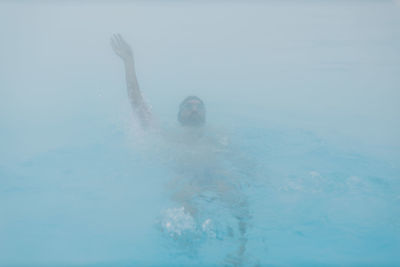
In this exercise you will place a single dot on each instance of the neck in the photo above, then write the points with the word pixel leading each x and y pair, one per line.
pixel 194 132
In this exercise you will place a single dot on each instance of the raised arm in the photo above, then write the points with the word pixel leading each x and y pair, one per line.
pixel 140 108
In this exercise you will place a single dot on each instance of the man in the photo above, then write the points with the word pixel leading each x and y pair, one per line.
pixel 191 110
pixel 198 171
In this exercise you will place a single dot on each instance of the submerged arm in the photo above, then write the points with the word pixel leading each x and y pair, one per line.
pixel 139 106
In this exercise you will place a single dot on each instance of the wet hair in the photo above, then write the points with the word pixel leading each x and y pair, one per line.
pixel 182 105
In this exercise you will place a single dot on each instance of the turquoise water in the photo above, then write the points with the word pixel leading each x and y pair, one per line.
pixel 304 96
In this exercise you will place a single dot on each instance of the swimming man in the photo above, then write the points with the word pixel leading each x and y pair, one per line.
pixel 197 171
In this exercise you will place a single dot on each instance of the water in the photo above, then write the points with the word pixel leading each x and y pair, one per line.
pixel 304 93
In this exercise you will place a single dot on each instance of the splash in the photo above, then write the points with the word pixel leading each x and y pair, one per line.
pixel 176 222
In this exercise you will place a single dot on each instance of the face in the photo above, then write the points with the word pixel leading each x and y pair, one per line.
pixel 192 113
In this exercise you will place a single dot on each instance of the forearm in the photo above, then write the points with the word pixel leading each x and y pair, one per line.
pixel 138 104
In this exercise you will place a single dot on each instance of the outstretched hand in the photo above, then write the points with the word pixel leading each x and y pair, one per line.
pixel 120 47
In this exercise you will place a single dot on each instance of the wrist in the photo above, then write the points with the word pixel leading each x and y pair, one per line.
pixel 129 64
pixel 128 60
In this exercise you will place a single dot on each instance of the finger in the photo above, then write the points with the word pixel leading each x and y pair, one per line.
pixel 117 43
pixel 117 40
pixel 122 41
pixel 120 38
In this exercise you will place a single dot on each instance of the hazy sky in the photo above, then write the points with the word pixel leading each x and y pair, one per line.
pixel 327 66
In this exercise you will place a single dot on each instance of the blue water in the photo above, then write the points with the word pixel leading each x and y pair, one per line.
pixel 305 95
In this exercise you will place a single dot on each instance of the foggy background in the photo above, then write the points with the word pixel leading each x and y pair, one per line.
pixel 327 66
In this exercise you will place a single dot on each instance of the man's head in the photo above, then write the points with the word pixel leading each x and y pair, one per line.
pixel 192 112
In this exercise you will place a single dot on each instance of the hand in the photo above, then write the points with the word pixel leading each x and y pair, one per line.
pixel 121 48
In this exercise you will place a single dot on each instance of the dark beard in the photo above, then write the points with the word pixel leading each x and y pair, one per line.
pixel 194 120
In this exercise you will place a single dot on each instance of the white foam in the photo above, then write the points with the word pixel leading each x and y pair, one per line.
pixel 176 221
